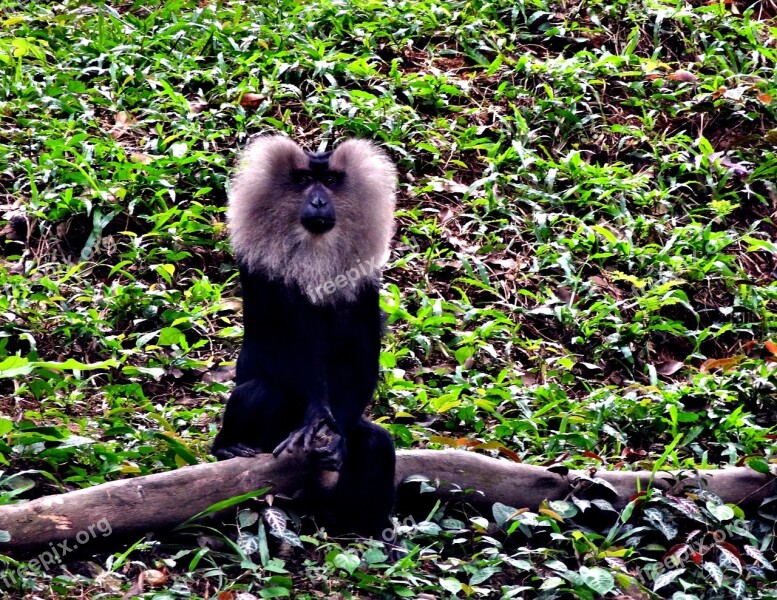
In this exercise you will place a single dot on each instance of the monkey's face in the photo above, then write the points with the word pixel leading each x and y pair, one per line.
pixel 318 186
pixel 310 218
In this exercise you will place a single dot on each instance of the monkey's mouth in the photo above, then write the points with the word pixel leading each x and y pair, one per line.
pixel 317 225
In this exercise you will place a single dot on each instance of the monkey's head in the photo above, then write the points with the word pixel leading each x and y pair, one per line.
pixel 319 221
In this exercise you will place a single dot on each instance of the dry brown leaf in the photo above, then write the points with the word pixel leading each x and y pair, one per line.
pixel 719 92
pixel 724 364
pixel 669 367
pixel 505 263
pixel 445 215
pixel 683 75
pixel 122 125
pixel 251 100
pixel 737 93
pixel 197 106
pixel 736 168
pixel 155 578
pixel 551 513
pixel 143 159
pixel 447 186
pixel 220 374
pixel 136 589
pixel 566 294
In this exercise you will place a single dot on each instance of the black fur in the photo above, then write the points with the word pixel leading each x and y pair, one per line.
pixel 309 365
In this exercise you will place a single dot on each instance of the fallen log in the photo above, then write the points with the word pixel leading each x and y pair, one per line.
pixel 162 501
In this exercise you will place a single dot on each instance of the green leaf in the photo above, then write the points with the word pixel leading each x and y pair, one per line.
pixel 494 66
pixel 15 366
pixel 720 511
pixel 464 353
pixel 450 584
pixel 666 578
pixel 758 464
pixel 347 561
pixel 170 336
pixel 598 579
pixel 74 365
pixel 374 556
pixel 224 504
pixel 246 518
pixel 502 513
pixel 482 575
pixel 274 592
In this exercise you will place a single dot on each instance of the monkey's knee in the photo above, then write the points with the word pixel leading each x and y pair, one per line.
pixel 250 403
pixel 365 497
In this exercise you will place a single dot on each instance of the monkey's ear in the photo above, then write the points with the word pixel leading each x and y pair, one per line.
pixel 263 164
pixel 271 151
pixel 368 164
pixel 256 195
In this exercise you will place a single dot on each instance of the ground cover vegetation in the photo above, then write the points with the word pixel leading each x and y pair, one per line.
pixel 582 277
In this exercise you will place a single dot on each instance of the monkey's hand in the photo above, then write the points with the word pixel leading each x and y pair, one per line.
pixel 234 451
pixel 319 438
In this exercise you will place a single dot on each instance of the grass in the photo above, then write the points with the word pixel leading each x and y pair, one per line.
pixel 583 273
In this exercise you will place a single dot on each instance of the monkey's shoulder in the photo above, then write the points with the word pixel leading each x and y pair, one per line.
pixel 275 295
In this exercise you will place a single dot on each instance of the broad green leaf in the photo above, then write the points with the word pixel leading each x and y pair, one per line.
pixel 347 561
pixel 598 579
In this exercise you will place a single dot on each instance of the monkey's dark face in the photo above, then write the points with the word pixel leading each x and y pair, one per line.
pixel 318 185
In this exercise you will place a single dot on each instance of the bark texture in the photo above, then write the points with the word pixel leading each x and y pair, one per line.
pixel 164 500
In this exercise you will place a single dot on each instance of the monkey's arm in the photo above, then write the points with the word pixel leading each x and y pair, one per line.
pixel 281 372
pixel 347 350
pixel 319 432
pixel 288 341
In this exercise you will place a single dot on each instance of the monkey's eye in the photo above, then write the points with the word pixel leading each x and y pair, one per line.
pixel 303 178
pixel 329 180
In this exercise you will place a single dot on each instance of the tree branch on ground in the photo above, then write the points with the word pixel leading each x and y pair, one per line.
pixel 162 501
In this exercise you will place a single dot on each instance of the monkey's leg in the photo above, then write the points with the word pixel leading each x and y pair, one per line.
pixel 255 420
pixel 364 497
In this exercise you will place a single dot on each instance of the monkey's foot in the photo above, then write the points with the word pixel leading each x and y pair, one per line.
pixel 235 451
pixel 329 449
pixel 319 439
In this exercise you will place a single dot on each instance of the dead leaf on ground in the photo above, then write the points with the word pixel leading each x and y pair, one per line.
pixel 683 75
pixel 220 374
pixel 669 367
pixel 447 186
pixel 155 578
pixel 724 364
pixel 143 159
pixel 251 100
pixel 124 121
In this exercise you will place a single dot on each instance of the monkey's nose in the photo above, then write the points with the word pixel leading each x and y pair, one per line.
pixel 319 213
pixel 318 200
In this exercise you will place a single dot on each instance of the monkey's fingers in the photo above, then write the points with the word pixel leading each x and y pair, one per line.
pixel 294 439
pixel 235 451
pixel 312 436
pixel 321 433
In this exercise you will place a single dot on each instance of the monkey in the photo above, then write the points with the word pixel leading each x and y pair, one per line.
pixel 310 233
